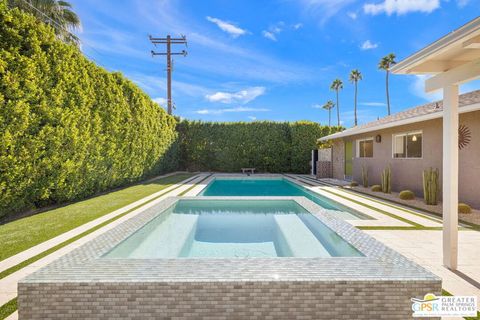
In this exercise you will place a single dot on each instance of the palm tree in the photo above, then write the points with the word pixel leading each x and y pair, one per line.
pixel 57 13
pixel 328 106
pixel 337 85
pixel 355 76
pixel 385 64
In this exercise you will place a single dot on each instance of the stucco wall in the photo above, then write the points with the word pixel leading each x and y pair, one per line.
pixel 407 173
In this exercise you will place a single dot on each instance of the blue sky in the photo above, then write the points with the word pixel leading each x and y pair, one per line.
pixel 271 59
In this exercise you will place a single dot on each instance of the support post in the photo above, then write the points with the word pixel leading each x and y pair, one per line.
pixel 450 176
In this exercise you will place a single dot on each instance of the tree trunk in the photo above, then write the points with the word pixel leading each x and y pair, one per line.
pixel 329 116
pixel 338 111
pixel 355 105
pixel 388 95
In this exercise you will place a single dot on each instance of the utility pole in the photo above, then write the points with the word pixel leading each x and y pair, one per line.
pixel 169 41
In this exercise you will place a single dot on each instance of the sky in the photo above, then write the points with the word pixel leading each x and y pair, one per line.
pixel 254 60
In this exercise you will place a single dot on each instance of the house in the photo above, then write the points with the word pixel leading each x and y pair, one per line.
pixel 410 142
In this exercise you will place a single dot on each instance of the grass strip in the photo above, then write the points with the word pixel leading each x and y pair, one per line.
pixel 39 256
pixel 184 192
pixel 376 209
pixel 22 234
pixel 446 293
pixel 366 196
pixel 396 228
pixel 8 308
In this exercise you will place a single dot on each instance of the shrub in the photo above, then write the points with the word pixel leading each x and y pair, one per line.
pixel 266 145
pixel 431 186
pixel 406 195
pixel 68 128
pixel 354 184
pixel 365 176
pixel 387 180
pixel 376 188
pixel 464 208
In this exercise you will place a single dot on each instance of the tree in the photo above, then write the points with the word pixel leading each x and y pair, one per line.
pixel 57 13
pixel 337 85
pixel 385 64
pixel 355 76
pixel 328 106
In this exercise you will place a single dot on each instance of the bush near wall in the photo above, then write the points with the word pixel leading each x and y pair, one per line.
pixel 265 145
pixel 68 128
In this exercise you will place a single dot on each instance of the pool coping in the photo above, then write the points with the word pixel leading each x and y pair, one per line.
pixel 86 264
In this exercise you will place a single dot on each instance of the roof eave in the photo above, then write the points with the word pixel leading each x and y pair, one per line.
pixel 426 117
pixel 405 66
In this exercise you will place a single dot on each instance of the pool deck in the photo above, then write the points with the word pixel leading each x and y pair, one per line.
pixel 420 240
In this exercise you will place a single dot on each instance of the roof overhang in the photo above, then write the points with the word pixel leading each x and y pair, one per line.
pixel 426 117
pixel 458 48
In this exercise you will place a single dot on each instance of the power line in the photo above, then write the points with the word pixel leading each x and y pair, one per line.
pixel 169 41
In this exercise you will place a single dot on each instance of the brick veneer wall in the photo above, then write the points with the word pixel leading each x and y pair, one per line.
pixel 221 300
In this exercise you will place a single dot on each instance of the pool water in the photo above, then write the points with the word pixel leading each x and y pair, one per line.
pixel 233 229
pixel 276 187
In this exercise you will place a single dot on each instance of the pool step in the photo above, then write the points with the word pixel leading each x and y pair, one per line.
pixel 164 240
pixel 296 239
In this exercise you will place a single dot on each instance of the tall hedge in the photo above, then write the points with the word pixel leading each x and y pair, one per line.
pixel 68 128
pixel 267 146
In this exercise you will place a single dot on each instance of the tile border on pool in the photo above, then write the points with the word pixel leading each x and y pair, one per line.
pixel 86 263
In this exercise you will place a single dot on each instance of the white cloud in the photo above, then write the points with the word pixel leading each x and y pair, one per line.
pixel 373 104
pixel 352 15
pixel 252 118
pixel 400 7
pixel 273 31
pixel 227 110
pixel 269 35
pixel 228 27
pixel 317 106
pixel 161 101
pixel 368 45
pixel 462 3
pixel 242 96
pixel 325 9
pixel 297 26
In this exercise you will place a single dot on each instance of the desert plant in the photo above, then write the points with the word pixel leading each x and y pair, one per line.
pixel 430 186
pixel 406 195
pixel 376 188
pixel 387 180
pixel 354 184
pixel 365 176
pixel 464 208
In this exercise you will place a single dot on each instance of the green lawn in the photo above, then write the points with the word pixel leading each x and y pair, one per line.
pixel 22 234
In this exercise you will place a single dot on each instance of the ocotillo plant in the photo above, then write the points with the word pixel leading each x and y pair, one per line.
pixel 387 180
pixel 365 176
pixel 430 186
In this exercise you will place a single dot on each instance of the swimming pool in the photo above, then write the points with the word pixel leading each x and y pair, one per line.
pixel 234 229
pixel 275 187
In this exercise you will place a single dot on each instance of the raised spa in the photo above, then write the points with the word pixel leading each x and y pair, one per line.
pixel 234 229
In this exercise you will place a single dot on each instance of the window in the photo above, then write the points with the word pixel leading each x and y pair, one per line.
pixel 365 148
pixel 407 145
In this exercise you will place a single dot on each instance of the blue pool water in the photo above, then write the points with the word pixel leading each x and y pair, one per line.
pixel 233 229
pixel 275 187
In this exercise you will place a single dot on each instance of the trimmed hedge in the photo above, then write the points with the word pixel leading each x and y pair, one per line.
pixel 265 145
pixel 68 128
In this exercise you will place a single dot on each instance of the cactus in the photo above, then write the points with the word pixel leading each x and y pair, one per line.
pixel 430 186
pixel 464 208
pixel 406 195
pixel 387 180
pixel 376 188
pixel 365 176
